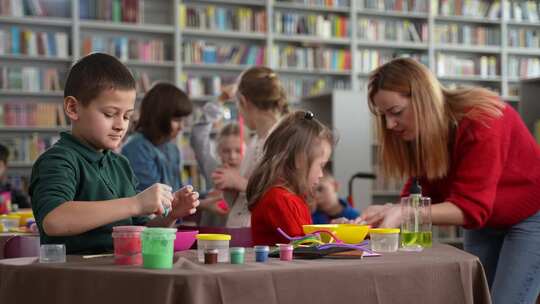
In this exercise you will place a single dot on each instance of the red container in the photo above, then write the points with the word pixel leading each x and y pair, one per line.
pixel 127 245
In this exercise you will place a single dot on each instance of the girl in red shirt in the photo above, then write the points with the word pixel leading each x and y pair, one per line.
pixel 294 156
pixel 476 160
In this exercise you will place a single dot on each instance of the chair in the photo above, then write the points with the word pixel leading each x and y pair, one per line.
pixel 21 246
pixel 240 237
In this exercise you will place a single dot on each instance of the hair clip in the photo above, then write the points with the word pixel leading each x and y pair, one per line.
pixel 271 75
pixel 309 115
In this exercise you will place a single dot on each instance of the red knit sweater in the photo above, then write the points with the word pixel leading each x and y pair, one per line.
pixel 494 175
pixel 278 208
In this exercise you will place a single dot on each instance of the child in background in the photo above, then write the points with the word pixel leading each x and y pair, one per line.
pixel 294 156
pixel 229 150
pixel 261 100
pixel 331 208
pixel 80 189
pixel 151 150
pixel 17 197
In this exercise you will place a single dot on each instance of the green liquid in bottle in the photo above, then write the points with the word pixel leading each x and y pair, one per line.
pixel 413 239
pixel 409 239
pixel 426 239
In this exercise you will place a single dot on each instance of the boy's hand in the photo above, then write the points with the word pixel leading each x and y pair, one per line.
pixel 185 202
pixel 154 199
pixel 229 179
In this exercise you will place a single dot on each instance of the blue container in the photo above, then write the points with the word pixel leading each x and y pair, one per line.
pixel 261 253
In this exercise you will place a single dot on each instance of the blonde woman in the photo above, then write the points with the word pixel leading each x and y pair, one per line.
pixel 475 159
pixel 262 101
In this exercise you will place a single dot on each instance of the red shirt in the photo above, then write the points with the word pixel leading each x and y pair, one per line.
pixel 494 175
pixel 278 208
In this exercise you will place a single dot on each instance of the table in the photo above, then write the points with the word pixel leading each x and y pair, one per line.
pixel 442 274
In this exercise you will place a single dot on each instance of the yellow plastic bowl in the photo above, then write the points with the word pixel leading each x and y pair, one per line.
pixel 352 233
pixel 326 227
pixel 348 233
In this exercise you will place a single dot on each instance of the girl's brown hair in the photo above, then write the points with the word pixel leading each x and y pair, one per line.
pixel 288 153
pixel 262 87
pixel 436 110
pixel 160 105
pixel 230 129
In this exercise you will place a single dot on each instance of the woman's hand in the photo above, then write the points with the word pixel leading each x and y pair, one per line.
pixel 374 214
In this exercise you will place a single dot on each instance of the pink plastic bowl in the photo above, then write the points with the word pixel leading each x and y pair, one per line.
pixel 184 240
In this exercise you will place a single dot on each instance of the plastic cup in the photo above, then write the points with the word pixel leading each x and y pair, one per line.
pixel 127 245
pixel 158 247
pixel 384 239
pixel 285 252
pixel 52 253
pixel 261 253
pixel 213 241
pixel 237 255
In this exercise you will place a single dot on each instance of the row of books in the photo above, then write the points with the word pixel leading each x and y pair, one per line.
pixel 26 149
pixel 524 37
pixel 18 182
pixel 205 85
pixel 457 85
pixel 143 80
pixel 418 6
pixel 222 18
pixel 325 3
pixel 125 48
pixel 524 10
pixel 313 58
pixel 324 26
pixel 17 41
pixel 32 114
pixel 467 34
pixel 20 8
pixel 212 53
pixel 112 10
pixel 523 67
pixel 469 8
pixel 370 59
pixel 297 87
pixel 454 65
pixel 392 30
pixel 30 79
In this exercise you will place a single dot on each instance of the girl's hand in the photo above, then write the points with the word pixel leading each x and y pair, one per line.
pixel 341 220
pixel 154 199
pixel 225 178
pixel 215 205
pixel 374 215
pixel 227 93
pixel 185 202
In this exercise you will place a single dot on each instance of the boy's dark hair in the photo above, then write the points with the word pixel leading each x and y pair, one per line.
pixel 160 105
pixel 95 73
pixel 4 153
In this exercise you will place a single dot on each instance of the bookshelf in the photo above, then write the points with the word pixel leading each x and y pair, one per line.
pixel 317 46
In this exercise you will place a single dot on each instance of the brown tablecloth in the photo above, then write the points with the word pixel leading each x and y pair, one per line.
pixel 442 274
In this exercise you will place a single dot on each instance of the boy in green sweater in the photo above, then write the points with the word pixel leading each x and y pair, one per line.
pixel 80 189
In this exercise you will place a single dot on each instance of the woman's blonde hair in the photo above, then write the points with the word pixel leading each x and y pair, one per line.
pixel 262 87
pixel 288 153
pixel 436 112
